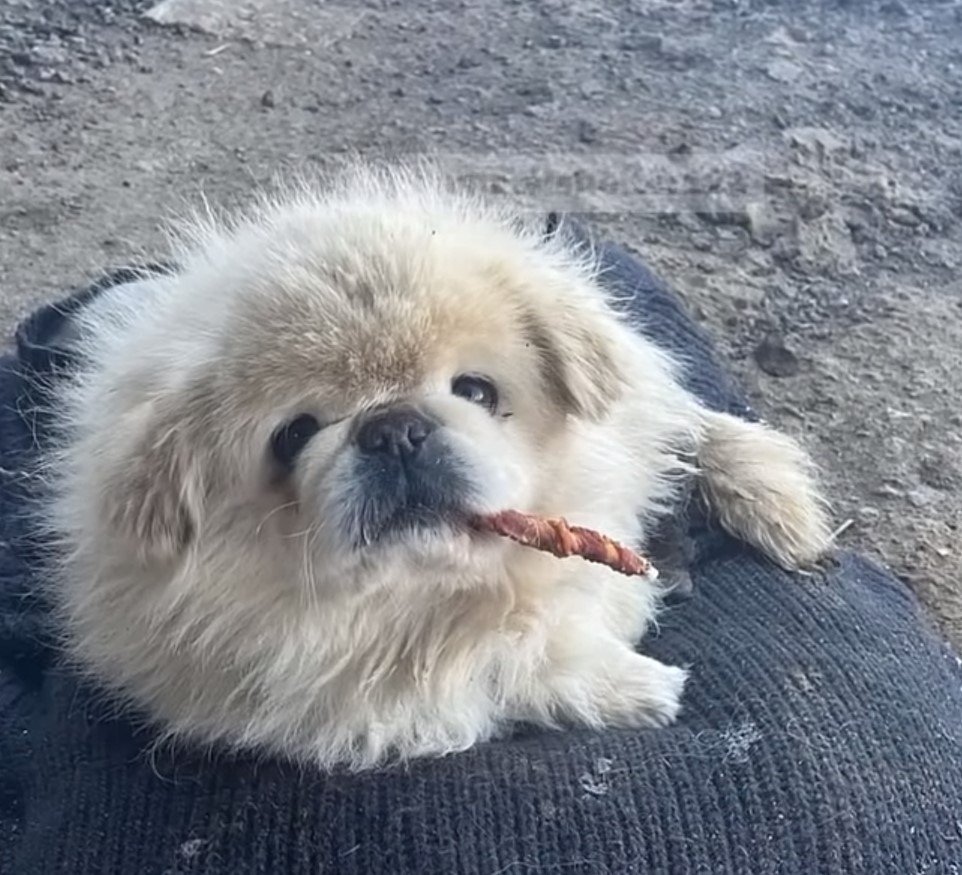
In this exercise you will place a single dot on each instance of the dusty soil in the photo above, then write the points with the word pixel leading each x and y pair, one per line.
pixel 793 168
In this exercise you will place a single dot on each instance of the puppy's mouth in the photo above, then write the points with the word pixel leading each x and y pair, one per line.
pixel 402 499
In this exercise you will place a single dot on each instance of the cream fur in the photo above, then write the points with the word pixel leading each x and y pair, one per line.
pixel 225 602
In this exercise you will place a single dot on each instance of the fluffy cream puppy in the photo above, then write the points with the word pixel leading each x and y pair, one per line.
pixel 269 457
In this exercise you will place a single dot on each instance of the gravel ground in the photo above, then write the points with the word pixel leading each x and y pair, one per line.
pixel 794 169
pixel 61 42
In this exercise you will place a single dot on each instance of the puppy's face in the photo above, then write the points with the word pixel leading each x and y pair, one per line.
pixel 343 405
pixel 385 420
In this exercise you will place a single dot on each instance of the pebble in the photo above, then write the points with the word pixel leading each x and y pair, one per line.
pixel 921 497
pixel 905 216
pixel 815 140
pixel 895 8
pixel 642 42
pixel 784 71
pixel 936 471
pixel 887 490
pixel 587 131
pixel 776 359
pixel 536 92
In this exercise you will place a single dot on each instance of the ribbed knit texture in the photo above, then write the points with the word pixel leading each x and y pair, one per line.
pixel 821 733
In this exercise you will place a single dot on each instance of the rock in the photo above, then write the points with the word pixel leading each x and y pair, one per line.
pixel 267 100
pixel 784 71
pixel 921 497
pixel 888 490
pixel 763 224
pixel 937 471
pixel 587 131
pixel 780 37
pixel 536 92
pixel 776 359
pixel 271 22
pixel 895 8
pixel 817 141
pixel 720 210
pixel 642 42
pixel 905 215
pixel 49 55
pixel 825 246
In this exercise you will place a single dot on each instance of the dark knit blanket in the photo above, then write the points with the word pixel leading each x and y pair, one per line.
pixel 821 731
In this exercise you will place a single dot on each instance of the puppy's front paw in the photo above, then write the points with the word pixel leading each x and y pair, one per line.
pixel 762 486
pixel 644 692
pixel 609 685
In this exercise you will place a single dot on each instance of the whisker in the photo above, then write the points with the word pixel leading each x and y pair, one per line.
pixel 271 513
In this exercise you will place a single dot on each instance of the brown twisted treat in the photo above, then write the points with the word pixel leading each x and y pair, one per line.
pixel 557 537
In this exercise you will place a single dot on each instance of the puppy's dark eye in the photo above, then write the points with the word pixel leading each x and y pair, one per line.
pixel 290 439
pixel 477 390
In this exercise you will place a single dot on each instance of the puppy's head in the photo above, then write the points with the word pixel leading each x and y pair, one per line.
pixel 338 385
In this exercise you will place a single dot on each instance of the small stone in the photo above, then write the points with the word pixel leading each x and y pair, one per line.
pixel 587 132
pixel 776 359
pixel 937 472
pixel 780 37
pixel 815 140
pixel 554 41
pixel 714 112
pixel 905 216
pixel 921 497
pixel 869 514
pixel 536 92
pixel 538 110
pixel 887 490
pixel 48 55
pixel 783 71
pixel 267 100
pixel 895 8
pixel 722 211
pixel 642 42
pixel 763 224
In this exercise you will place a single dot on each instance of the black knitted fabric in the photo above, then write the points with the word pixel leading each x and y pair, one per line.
pixel 821 733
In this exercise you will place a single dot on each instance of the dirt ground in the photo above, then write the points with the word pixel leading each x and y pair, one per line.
pixel 794 169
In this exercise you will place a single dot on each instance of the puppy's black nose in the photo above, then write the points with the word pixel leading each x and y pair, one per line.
pixel 397 431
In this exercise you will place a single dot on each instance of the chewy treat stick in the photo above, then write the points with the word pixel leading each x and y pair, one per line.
pixel 557 537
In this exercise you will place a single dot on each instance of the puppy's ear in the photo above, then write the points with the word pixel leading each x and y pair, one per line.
pixel 154 491
pixel 579 351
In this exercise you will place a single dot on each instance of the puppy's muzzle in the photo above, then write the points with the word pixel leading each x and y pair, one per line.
pixel 399 431
pixel 408 476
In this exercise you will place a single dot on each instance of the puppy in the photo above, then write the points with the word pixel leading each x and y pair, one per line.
pixel 269 457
